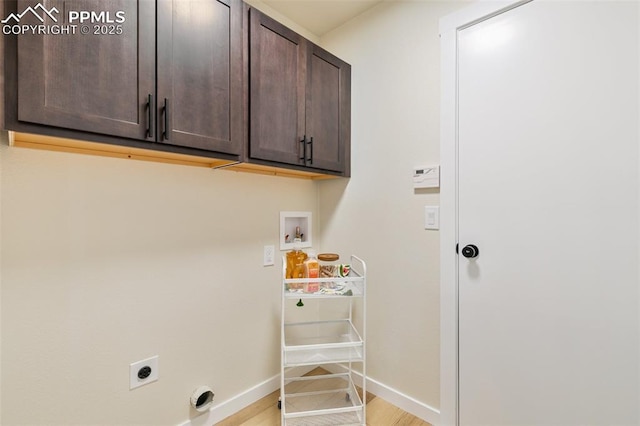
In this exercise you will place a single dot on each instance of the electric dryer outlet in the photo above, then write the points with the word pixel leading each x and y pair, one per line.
pixel 143 372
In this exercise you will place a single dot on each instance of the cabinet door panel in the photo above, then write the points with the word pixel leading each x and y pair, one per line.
pixel 89 82
pixel 200 74
pixel 277 85
pixel 328 94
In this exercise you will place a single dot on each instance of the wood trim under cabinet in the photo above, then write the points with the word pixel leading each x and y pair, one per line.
pixel 50 143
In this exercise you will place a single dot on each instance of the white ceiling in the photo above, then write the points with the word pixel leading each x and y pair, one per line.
pixel 321 16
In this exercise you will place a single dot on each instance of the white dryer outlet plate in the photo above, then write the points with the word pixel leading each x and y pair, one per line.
pixel 134 369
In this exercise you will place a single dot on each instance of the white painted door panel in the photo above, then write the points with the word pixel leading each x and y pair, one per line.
pixel 548 190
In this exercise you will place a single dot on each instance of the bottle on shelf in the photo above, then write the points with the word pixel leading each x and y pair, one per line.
pixel 295 262
pixel 311 270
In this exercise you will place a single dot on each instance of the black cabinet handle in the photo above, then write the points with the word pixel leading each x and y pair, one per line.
pixel 470 251
pixel 165 113
pixel 310 150
pixel 304 149
pixel 150 116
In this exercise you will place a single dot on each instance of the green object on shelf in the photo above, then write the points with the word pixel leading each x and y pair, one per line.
pixel 300 303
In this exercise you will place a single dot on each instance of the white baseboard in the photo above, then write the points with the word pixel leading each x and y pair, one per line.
pixel 397 398
pixel 221 411
pixel 405 402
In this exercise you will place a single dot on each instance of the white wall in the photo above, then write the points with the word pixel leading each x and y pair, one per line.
pixel 394 53
pixel 108 261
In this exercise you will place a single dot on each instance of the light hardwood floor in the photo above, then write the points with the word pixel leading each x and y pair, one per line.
pixel 265 412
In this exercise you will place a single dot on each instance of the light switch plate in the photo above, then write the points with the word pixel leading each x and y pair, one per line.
pixel 269 254
pixel 431 217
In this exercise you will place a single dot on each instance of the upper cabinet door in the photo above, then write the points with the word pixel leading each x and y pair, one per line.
pixel 328 114
pixel 98 78
pixel 299 100
pixel 277 64
pixel 200 74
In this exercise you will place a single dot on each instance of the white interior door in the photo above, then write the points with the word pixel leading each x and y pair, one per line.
pixel 548 190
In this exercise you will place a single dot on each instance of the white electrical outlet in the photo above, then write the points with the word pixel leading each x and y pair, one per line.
pixel 143 372
pixel 269 254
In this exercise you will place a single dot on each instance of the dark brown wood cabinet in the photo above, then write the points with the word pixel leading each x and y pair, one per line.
pixel 86 82
pixel 328 112
pixel 299 100
pixel 169 75
pixel 200 74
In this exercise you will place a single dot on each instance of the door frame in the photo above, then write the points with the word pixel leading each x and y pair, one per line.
pixel 450 25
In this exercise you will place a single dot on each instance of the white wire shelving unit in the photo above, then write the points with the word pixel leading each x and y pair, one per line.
pixel 336 344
